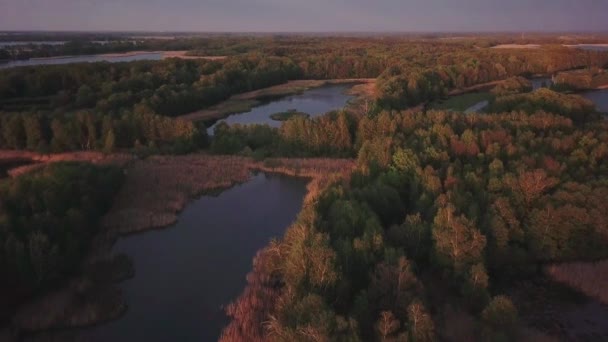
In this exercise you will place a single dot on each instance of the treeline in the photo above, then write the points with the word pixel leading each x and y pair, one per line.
pixel 84 130
pixel 512 85
pixel 169 87
pixel 581 79
pixel 107 106
pixel 344 134
pixel 47 221
pixel 328 135
pixel 574 107
pixel 75 45
pixel 445 209
pixel 408 84
pixel 411 72
pixel 274 44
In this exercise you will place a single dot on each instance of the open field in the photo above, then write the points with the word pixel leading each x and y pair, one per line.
pixel 246 101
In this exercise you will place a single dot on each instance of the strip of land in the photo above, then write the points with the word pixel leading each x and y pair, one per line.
pixel 517 46
pixel 165 54
pixel 39 160
pixel 581 45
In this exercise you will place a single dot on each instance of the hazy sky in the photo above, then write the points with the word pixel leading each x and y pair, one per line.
pixel 305 15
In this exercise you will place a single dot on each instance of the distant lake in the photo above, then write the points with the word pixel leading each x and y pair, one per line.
pixel 590 47
pixel 82 59
pixel 5 44
pixel 599 97
pixel 186 274
pixel 316 102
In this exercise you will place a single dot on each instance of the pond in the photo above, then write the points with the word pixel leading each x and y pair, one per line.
pixel 599 97
pixel 83 59
pixel 316 102
pixel 541 82
pixel 186 274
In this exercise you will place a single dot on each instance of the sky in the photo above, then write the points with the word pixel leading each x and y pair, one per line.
pixel 305 15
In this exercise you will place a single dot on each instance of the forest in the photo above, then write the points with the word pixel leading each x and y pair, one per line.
pixel 446 209
pixel 425 240
pixel 123 103
pixel 47 222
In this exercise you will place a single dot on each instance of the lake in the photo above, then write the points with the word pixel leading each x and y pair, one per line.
pixel 82 59
pixel 316 102
pixel 23 43
pixel 599 97
pixel 185 274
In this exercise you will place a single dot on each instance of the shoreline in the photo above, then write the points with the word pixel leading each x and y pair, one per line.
pixel 246 101
pixel 182 54
pixel 583 45
pixel 517 46
pixel 155 192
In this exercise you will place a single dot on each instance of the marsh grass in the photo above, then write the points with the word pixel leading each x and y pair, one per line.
pixel 159 187
pixel 589 278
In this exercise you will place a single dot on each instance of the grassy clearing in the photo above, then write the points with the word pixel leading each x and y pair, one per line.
pixel 462 102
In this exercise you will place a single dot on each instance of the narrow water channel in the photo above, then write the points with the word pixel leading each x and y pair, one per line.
pixel 315 102
pixel 186 274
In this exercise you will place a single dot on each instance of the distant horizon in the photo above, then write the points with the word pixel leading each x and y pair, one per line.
pixel 312 16
pixel 446 32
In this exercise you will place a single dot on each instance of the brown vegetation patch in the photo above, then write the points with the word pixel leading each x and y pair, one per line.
pixel 39 160
pixel 589 278
pixel 158 188
pixel 80 304
pixel 517 46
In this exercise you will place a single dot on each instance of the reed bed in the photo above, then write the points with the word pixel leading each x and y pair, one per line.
pixel 587 277
pixel 158 188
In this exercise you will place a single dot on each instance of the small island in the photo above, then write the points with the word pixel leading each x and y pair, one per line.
pixel 291 113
